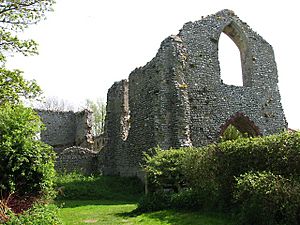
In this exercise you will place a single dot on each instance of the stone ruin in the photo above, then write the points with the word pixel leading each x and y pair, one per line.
pixel 70 135
pixel 178 99
pixel 67 129
pixel 77 159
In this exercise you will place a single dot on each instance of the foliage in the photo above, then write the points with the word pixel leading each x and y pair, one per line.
pixel 200 170
pixel 154 201
pixel 209 172
pixel 15 16
pixel 99 111
pixel 4 210
pixel 232 133
pixel 187 172
pixel 26 164
pixel 13 86
pixel 38 214
pixel 279 154
pixel 187 199
pixel 77 186
pixel 265 198
pixel 163 169
pixel 213 169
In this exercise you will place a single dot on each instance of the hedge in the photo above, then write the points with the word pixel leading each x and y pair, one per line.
pixel 210 172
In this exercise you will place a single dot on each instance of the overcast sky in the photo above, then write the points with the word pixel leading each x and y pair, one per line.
pixel 87 45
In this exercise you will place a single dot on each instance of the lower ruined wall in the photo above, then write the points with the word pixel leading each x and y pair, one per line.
pixel 60 129
pixel 70 134
pixel 84 135
pixel 77 159
pixel 99 142
pixel 66 129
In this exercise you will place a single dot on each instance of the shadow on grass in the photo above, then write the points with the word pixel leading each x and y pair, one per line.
pixel 183 217
pixel 79 203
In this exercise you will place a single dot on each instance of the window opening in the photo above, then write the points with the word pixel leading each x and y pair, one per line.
pixel 230 62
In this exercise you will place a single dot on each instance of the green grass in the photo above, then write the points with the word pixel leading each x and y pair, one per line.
pixel 75 186
pixel 110 213
pixel 116 200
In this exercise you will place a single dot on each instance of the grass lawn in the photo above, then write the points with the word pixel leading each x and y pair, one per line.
pixel 116 200
pixel 112 213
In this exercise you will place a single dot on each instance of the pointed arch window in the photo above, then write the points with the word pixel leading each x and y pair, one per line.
pixel 232 56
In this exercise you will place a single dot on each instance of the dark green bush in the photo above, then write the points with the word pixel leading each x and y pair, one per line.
pixel 279 154
pixel 187 199
pixel 164 170
pixel 265 199
pixel 210 171
pixel 200 169
pixel 154 201
pixel 26 164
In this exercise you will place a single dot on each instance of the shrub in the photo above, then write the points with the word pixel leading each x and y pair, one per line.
pixel 200 169
pixel 26 164
pixel 279 154
pixel 210 171
pixel 164 170
pixel 265 198
pixel 154 201
pixel 38 214
pixel 187 199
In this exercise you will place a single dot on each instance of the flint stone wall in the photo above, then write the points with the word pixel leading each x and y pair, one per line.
pixel 66 129
pixel 77 159
pixel 179 99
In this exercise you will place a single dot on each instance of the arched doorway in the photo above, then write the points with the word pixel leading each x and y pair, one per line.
pixel 238 126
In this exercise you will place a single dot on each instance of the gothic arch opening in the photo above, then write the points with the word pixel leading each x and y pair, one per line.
pixel 232 53
pixel 239 125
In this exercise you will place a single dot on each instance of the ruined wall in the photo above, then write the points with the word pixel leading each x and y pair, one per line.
pixel 116 127
pixel 66 129
pixel 77 159
pixel 83 134
pixel 211 101
pixel 99 142
pixel 178 99
pixel 60 129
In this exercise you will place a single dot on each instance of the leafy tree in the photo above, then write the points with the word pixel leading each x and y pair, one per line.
pixel 99 111
pixel 26 164
pixel 13 87
pixel 15 16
